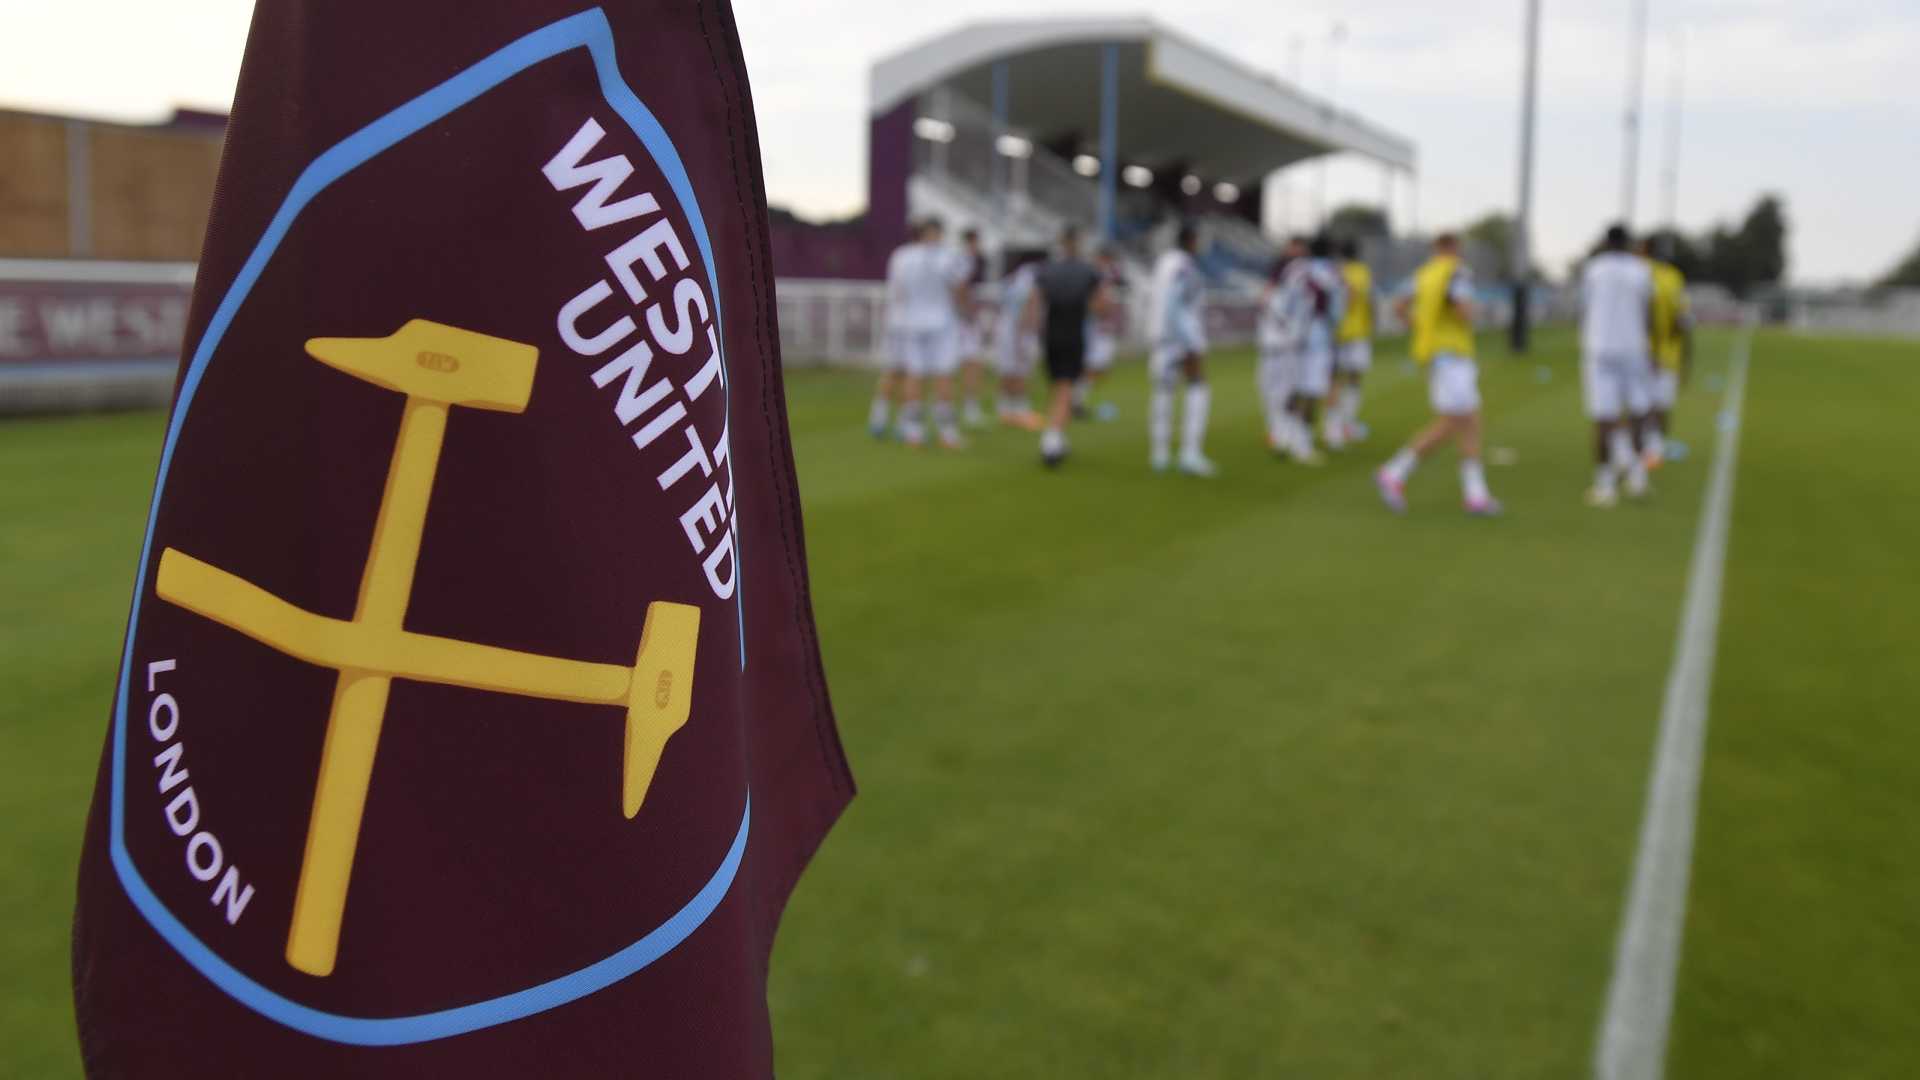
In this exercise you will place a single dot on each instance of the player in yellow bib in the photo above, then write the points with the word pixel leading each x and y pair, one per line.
pixel 1353 349
pixel 1672 333
pixel 1440 313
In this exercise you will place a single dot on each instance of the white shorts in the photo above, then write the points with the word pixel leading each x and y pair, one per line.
pixel 1279 371
pixel 1315 376
pixel 1100 349
pixel 1453 385
pixel 1666 389
pixel 1355 357
pixel 924 353
pixel 1164 361
pixel 1015 351
pixel 966 342
pixel 1617 385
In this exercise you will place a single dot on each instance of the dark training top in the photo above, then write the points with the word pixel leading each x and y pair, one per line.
pixel 1067 285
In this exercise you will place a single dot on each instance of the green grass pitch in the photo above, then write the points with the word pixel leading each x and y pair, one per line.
pixel 1164 777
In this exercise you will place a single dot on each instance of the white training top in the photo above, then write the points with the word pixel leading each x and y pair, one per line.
pixel 1014 292
pixel 920 281
pixel 1616 293
pixel 1175 316
pixel 1284 308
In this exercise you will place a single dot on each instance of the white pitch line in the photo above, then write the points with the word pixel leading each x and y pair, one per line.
pixel 1633 1034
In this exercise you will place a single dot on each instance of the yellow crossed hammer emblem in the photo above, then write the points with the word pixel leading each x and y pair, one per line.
pixel 436 367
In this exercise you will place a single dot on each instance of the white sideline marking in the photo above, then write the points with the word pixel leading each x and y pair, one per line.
pixel 1633 1034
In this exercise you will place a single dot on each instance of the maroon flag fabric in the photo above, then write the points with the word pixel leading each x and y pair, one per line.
pixel 471 719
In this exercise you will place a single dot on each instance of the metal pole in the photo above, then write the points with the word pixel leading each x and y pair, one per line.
pixel 1335 36
pixel 1519 260
pixel 1109 137
pixel 1296 52
pixel 1636 77
pixel 1671 212
pixel 938 151
pixel 1001 163
pixel 1386 197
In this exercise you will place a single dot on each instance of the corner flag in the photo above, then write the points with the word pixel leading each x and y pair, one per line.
pixel 470 719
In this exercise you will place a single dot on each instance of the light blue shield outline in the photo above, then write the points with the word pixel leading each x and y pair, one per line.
pixel 587 30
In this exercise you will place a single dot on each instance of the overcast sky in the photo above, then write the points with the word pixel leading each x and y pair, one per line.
pixel 1814 99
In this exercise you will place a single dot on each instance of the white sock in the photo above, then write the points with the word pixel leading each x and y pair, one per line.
pixel 1278 421
pixel 943 420
pixel 1400 466
pixel 1620 450
pixel 1160 420
pixel 1656 443
pixel 1352 410
pixel 1080 390
pixel 1603 477
pixel 879 413
pixel 1193 426
pixel 1473 481
pixel 910 427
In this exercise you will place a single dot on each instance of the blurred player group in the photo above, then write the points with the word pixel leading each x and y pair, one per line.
pixel 1314 333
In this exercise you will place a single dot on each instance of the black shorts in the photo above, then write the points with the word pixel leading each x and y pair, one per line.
pixel 1066 357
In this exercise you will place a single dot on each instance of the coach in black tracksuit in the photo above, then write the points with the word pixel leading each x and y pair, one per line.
pixel 1067 289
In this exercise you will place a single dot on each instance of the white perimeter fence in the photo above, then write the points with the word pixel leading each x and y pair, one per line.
pixel 88 334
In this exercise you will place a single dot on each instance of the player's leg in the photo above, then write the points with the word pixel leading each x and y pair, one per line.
pixel 1391 478
pixel 1193 418
pixel 1011 364
pixel 1333 427
pixel 1066 356
pixel 946 363
pixel 1635 378
pixel 919 356
pixel 880 412
pixel 1271 383
pixel 1316 371
pixel 1453 391
pixel 1163 372
pixel 1660 390
pixel 1358 361
pixel 1600 393
pixel 972 375
pixel 1465 397
pixel 1100 350
pixel 887 387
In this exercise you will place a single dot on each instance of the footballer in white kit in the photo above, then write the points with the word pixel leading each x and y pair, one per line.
pixel 1616 362
pixel 924 280
pixel 972 324
pixel 1016 346
pixel 1279 334
pixel 1176 328
pixel 1321 291
pixel 1103 340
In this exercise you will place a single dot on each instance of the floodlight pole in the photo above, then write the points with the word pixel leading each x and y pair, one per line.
pixel 1519 260
pixel 1002 165
pixel 1636 78
pixel 1296 50
pixel 1671 212
pixel 1109 138
pixel 1335 35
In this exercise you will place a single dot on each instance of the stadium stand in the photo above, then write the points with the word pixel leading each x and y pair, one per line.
pixel 1019 128
pixel 1118 125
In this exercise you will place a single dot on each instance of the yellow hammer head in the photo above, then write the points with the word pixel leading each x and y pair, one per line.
pixel 437 362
